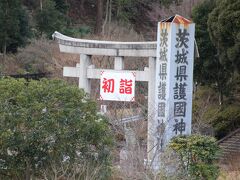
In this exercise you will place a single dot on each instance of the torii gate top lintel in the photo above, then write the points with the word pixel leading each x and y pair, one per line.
pixel 108 48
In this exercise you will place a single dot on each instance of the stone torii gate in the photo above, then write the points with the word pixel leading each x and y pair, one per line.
pixel 85 71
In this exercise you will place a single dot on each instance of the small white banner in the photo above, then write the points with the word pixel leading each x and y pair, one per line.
pixel 117 86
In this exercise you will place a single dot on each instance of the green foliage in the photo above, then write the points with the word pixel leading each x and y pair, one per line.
pixel 214 42
pixel 206 64
pixel 14 29
pixel 61 5
pixel 77 31
pixel 223 24
pixel 31 4
pixel 197 155
pixel 122 9
pixel 226 120
pixel 49 19
pixel 25 32
pixel 48 123
pixel 219 59
pixel 220 120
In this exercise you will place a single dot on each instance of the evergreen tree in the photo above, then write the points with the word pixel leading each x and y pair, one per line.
pixel 31 4
pixel 49 123
pixel 223 26
pixel 49 19
pixel 61 6
pixel 206 64
pixel 209 68
pixel 224 31
pixel 14 25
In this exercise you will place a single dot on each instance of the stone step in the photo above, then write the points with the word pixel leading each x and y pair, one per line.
pixel 231 147
pixel 227 155
pixel 223 148
pixel 235 150
pixel 225 160
pixel 229 144
pixel 237 136
pixel 231 141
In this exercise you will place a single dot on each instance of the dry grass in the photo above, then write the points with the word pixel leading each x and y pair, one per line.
pixel 229 175
pixel 231 171
pixel 10 65
pixel 41 55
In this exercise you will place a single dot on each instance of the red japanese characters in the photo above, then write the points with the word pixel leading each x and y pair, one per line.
pixel 117 86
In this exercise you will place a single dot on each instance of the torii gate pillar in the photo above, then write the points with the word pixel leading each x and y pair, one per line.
pixel 118 63
pixel 151 109
pixel 80 71
pixel 84 82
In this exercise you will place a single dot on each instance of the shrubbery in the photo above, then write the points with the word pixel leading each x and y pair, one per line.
pixel 197 155
pixel 49 129
pixel 226 120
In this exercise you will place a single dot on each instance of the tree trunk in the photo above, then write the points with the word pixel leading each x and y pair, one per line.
pixel 4 54
pixel 67 13
pixel 106 18
pixel 41 4
pixel 27 172
pixel 220 92
pixel 109 16
pixel 220 97
pixel 82 10
pixel 99 17
pixel 110 12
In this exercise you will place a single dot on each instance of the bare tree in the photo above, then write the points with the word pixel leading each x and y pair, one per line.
pixel 99 17
pixel 41 4
pixel 82 10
